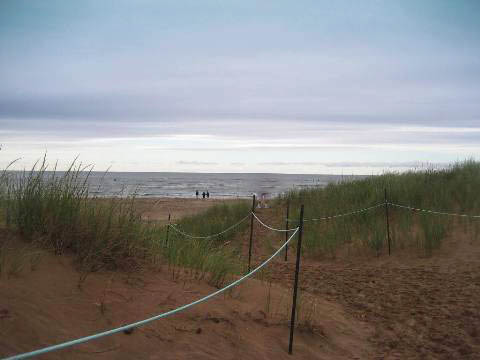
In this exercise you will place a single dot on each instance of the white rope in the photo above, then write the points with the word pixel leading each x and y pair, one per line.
pixel 345 214
pixel 143 322
pixel 174 227
pixel 434 212
pixel 272 228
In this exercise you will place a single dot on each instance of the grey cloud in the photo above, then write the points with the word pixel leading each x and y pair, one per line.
pixel 241 134
pixel 270 85
pixel 173 108
pixel 289 163
pixel 343 164
pixel 196 163
pixel 278 87
pixel 405 164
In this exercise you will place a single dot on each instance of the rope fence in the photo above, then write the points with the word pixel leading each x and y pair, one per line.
pixel 156 317
pixel 271 228
pixel 359 211
pixel 354 212
pixel 174 227
pixel 434 212
pixel 251 215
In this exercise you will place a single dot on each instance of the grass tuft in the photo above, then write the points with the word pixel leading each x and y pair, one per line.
pixel 208 258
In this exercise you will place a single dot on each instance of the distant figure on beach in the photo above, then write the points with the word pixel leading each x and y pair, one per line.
pixel 203 194
pixel 262 203
pixel 208 195
pixel 196 193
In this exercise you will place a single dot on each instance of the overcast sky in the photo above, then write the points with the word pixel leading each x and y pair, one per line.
pixel 240 86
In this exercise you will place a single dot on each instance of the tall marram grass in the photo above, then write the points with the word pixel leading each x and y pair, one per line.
pixel 208 257
pixel 216 219
pixel 454 188
pixel 54 209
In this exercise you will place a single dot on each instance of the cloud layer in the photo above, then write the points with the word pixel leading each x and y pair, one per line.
pixel 245 86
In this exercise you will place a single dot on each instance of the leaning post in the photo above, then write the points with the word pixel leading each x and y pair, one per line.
pixel 286 228
pixel 387 221
pixel 168 228
pixel 251 234
pixel 295 285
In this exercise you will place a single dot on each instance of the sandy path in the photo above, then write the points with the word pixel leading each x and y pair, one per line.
pixel 418 312
pixel 420 308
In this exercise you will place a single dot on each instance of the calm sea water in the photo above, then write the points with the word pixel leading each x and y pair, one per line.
pixel 218 185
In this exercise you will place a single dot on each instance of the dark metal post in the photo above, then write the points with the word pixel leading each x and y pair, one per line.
pixel 251 234
pixel 388 221
pixel 168 228
pixel 295 285
pixel 286 228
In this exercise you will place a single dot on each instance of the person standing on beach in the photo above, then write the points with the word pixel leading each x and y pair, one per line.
pixel 203 194
pixel 208 195
pixel 196 193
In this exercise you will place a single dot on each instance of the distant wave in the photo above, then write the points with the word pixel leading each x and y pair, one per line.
pixel 218 185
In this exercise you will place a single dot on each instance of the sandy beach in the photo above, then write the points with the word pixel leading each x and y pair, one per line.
pixel 158 209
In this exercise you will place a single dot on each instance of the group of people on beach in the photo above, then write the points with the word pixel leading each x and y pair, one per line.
pixel 204 194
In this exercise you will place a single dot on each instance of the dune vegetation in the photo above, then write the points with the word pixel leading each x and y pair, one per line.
pixel 54 210
pixel 450 189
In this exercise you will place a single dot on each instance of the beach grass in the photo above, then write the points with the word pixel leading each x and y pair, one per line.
pixel 451 188
pixel 209 258
pixel 54 209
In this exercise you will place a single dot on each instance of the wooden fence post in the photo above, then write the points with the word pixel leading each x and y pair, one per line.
pixel 388 222
pixel 251 234
pixel 295 285
pixel 286 228
pixel 168 228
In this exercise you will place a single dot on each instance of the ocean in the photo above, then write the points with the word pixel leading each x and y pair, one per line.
pixel 170 184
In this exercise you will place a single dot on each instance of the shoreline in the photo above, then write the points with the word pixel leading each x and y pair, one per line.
pixel 154 197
